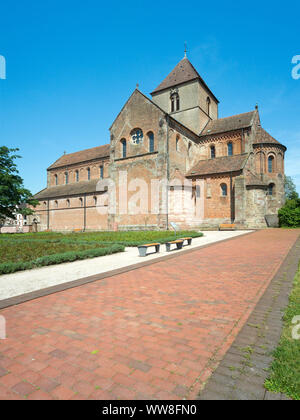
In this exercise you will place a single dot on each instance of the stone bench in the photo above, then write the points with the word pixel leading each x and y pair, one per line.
pixel 177 242
pixel 227 226
pixel 143 248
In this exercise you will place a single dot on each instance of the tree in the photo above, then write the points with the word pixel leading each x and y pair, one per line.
pixel 290 188
pixel 12 191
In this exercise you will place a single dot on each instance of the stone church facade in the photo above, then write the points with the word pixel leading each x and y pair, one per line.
pixel 170 159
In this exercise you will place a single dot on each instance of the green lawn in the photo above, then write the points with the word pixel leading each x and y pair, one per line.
pixel 128 238
pixel 31 250
pixel 285 369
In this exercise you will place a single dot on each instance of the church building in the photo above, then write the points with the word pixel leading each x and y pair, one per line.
pixel 170 159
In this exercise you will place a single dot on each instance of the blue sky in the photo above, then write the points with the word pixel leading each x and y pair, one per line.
pixel 71 66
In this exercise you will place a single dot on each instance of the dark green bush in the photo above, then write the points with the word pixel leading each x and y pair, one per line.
pixel 11 267
pixel 289 214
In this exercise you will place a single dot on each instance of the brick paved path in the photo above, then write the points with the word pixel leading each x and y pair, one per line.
pixel 155 332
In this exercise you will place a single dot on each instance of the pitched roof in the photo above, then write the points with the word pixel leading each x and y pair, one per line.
pixel 253 180
pixel 219 165
pixel 76 188
pixel 182 73
pixel 262 136
pixel 82 156
pixel 234 122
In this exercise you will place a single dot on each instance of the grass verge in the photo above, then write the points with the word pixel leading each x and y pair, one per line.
pixel 285 370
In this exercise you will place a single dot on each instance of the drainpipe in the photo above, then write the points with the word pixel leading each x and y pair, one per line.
pixel 84 212
pixel 168 175
pixel 231 200
pixel 48 221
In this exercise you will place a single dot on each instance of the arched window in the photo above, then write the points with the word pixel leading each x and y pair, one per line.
pixel 45 203
pixel 56 179
pixel 271 189
pixel 229 149
pixel 151 141
pixel 77 175
pixel 68 203
pixel 56 203
pixel 212 152
pixel 80 202
pixel 208 105
pixel 223 190
pixel 271 164
pixel 95 200
pixel 177 143
pixel 101 172
pixel 189 149
pixel 88 173
pixel 175 102
pixel 137 136
pixel 66 178
pixel 124 148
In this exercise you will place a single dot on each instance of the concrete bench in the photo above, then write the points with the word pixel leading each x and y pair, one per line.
pixel 188 240
pixel 143 248
pixel 177 242
pixel 227 226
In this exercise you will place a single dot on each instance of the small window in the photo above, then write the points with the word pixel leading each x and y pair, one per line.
pixel 68 203
pixel 208 105
pixel 95 201
pixel 66 178
pixel 88 174
pixel 56 203
pixel 124 148
pixel 77 175
pixel 56 179
pixel 212 152
pixel 230 149
pixel 151 142
pixel 271 189
pixel 45 203
pixel 175 102
pixel 80 202
pixel 101 171
pixel 223 190
pixel 271 164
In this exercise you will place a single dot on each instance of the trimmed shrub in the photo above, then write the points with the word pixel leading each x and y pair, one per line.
pixel 11 267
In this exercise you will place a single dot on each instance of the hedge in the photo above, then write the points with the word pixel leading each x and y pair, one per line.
pixel 10 267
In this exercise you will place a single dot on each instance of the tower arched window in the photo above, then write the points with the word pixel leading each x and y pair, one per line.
pixel 175 102
pixel 229 149
pixel 66 178
pixel 271 164
pixel 77 175
pixel 151 141
pixel 212 152
pixel 208 105
pixel 56 179
pixel 124 148
pixel 88 173
pixel 101 172
pixel 224 190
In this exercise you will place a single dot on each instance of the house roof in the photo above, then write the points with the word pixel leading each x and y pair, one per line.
pixel 82 156
pixel 262 136
pixel 76 188
pixel 182 73
pixel 219 165
pixel 234 122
